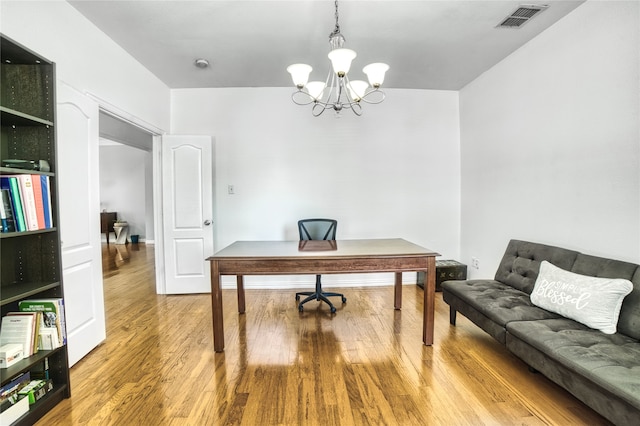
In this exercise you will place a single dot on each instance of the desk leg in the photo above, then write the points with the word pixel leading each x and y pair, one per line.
pixel 240 287
pixel 216 307
pixel 429 301
pixel 397 295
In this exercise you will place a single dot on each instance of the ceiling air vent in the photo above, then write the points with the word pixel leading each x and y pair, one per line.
pixel 521 15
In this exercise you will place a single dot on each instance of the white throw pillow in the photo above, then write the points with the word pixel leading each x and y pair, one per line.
pixel 594 302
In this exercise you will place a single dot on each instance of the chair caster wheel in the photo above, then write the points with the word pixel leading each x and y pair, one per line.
pixel 300 308
pixel 344 299
pixel 333 310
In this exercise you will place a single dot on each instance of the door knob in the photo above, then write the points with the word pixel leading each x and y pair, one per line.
pixel 207 222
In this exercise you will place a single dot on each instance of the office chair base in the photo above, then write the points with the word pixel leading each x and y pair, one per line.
pixel 320 296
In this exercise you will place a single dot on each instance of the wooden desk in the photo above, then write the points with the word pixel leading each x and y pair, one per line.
pixel 297 257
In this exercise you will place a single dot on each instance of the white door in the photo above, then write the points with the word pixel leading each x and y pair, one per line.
pixel 79 207
pixel 187 177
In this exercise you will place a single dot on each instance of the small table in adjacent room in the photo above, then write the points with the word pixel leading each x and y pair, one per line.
pixel 445 270
pixel 121 230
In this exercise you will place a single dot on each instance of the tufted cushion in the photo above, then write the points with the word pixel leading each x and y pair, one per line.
pixel 629 321
pixel 609 360
pixel 497 301
pixel 521 262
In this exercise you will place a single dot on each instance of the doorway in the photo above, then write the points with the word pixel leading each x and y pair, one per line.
pixel 126 188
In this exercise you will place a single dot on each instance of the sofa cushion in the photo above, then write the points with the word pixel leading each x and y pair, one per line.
pixel 609 360
pixel 497 301
pixel 521 262
pixel 629 321
pixel 592 301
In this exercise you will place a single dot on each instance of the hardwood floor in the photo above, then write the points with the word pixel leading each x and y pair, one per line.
pixel 364 365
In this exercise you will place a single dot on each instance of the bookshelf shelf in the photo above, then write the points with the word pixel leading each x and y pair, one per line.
pixel 13 171
pixel 16 292
pixel 30 261
pixel 26 363
pixel 21 234
pixel 12 117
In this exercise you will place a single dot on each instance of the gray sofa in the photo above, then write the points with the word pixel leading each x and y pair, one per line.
pixel 602 370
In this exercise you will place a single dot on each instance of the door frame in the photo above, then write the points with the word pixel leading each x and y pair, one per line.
pixel 156 154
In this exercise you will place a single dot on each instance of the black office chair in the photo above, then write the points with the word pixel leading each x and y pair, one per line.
pixel 318 229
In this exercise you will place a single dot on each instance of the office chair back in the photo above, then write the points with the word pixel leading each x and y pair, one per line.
pixel 317 229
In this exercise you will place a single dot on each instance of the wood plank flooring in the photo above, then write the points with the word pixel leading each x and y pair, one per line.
pixel 366 365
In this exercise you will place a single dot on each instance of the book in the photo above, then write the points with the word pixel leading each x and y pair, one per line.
pixel 40 370
pixel 12 411
pixel 34 339
pixel 10 389
pixel 12 404
pixel 52 315
pixel 39 202
pixel 11 183
pixel 4 226
pixel 18 329
pixel 48 339
pixel 8 219
pixel 36 389
pixel 28 201
pixel 46 201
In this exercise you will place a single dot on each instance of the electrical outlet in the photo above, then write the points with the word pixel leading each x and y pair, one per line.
pixel 231 190
pixel 475 262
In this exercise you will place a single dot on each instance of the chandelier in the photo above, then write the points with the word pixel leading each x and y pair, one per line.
pixel 337 92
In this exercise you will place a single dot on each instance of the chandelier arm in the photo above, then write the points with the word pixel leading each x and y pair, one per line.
pixel 374 101
pixel 318 105
pixel 330 84
pixel 352 102
pixel 342 88
pixel 318 109
pixel 300 92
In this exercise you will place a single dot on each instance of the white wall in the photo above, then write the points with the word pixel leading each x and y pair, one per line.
pixel 123 185
pixel 394 172
pixel 86 58
pixel 551 142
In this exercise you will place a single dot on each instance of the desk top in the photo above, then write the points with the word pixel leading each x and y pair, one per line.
pixel 327 249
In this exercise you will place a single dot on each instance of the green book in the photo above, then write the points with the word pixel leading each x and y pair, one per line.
pixel 17 203
pixel 52 315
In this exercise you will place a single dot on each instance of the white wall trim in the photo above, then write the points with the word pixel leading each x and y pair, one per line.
pixel 158 218
pixel 156 153
pixel 114 111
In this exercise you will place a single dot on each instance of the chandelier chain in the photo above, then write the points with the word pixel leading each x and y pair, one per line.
pixel 337 29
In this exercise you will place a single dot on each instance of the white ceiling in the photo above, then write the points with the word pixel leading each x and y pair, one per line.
pixel 428 44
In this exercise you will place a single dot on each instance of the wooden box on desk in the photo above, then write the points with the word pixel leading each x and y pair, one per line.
pixel 445 270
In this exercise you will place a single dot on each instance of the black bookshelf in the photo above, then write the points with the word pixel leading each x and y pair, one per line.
pixel 31 260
